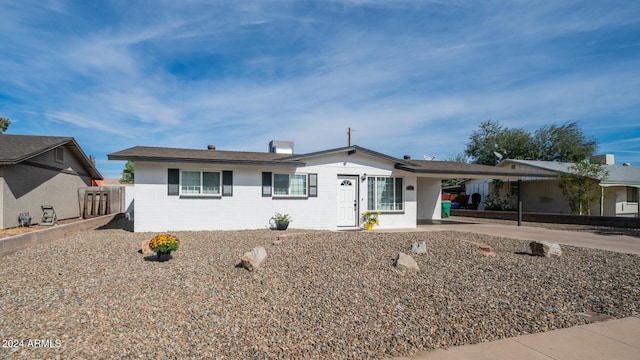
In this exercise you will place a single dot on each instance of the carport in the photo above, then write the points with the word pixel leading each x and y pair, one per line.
pixel 426 171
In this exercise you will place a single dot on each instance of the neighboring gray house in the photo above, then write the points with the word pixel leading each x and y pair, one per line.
pixel 619 196
pixel 41 170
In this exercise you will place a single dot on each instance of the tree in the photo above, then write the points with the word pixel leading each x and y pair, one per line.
pixel 4 124
pixel 581 185
pixel 128 174
pixel 565 143
pixel 492 137
pixel 460 158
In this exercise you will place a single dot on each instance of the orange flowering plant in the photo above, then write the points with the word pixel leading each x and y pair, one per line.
pixel 164 243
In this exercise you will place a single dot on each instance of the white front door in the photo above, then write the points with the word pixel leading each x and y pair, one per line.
pixel 347 200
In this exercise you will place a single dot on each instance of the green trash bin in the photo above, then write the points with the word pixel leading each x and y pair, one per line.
pixel 446 208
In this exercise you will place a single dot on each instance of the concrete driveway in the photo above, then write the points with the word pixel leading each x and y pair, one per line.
pixel 617 243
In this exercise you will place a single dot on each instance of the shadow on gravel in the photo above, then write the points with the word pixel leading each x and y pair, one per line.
pixel 156 259
pixel 119 222
pixel 523 253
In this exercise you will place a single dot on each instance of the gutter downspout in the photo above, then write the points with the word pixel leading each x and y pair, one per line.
pixel 519 202
pixel 601 200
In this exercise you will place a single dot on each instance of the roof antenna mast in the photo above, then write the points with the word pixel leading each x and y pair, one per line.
pixel 349 130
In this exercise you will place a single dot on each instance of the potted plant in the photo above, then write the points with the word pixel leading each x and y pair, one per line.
pixel 163 245
pixel 370 218
pixel 281 221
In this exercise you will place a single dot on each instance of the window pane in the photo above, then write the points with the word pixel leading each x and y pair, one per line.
pixel 191 182
pixel 281 184
pixel 371 193
pixel 384 189
pixel 398 197
pixel 210 183
pixel 299 184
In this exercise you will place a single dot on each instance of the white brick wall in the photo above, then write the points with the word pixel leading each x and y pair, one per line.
pixel 248 209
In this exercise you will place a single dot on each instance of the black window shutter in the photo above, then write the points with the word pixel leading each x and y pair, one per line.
pixel 227 183
pixel 313 185
pixel 173 181
pixel 266 184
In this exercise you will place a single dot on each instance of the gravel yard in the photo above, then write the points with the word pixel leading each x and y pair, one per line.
pixel 319 295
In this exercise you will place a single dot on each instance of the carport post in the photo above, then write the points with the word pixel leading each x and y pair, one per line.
pixel 519 202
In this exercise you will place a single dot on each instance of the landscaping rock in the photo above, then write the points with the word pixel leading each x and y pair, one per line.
pixel 546 249
pixel 251 260
pixel 322 295
pixel 145 249
pixel 406 262
pixel 419 247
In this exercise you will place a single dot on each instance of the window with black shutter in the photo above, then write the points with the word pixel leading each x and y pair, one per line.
pixel 266 184
pixel 173 182
pixel 227 183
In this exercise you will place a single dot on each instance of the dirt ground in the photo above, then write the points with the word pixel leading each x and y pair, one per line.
pixel 24 229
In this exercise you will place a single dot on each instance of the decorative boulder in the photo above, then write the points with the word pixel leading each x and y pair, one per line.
pixel 251 260
pixel 406 262
pixel 543 248
pixel 145 249
pixel 419 247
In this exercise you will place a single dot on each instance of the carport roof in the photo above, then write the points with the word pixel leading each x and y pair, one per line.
pixel 452 169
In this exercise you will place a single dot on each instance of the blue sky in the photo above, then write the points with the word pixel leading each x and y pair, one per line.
pixel 411 77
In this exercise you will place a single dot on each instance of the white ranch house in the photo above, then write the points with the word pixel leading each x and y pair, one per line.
pixel 189 189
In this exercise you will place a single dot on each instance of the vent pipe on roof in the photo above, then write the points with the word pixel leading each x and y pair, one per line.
pixel 407 157
pixel 211 147
pixel 626 164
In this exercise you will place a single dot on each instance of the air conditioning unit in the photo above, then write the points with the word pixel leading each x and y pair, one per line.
pixel 281 147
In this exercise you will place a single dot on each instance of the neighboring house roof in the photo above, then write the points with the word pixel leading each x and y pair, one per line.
pixel 618 175
pixel 434 168
pixel 15 149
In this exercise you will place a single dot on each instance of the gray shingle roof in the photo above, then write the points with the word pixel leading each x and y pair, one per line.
pixel 148 153
pixel 434 168
pixel 15 149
